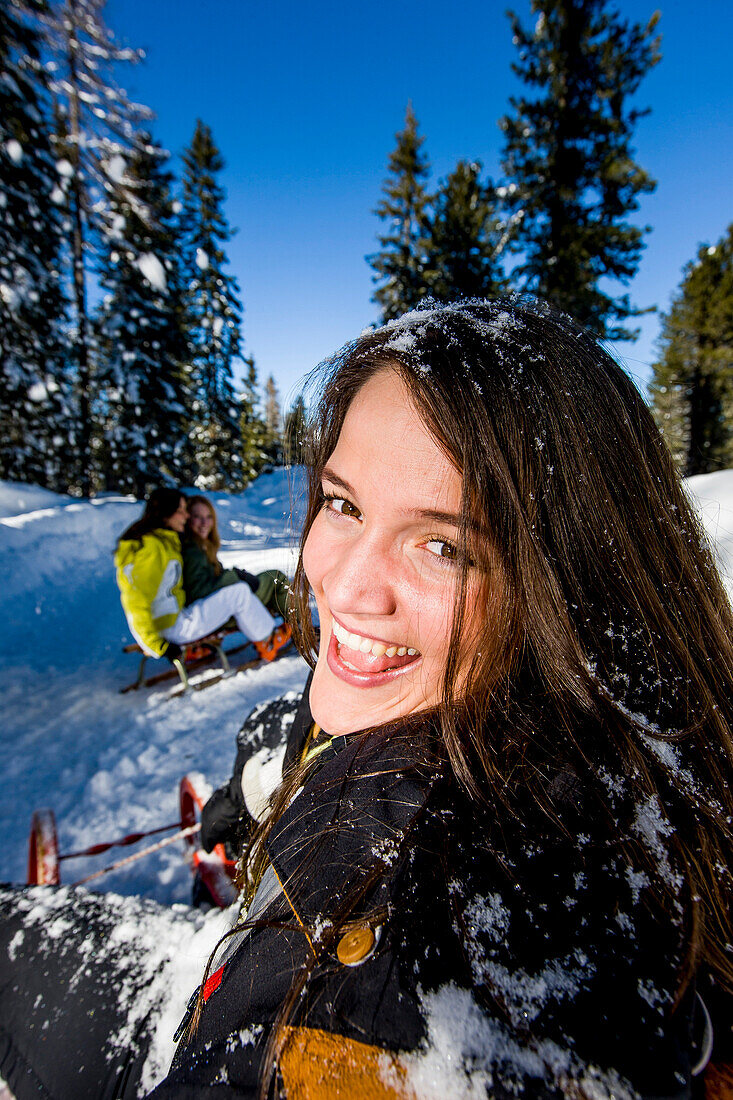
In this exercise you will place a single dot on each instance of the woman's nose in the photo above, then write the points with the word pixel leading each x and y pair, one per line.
pixel 361 580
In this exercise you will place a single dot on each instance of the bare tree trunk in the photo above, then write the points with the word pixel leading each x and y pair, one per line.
pixel 82 347
pixel 80 297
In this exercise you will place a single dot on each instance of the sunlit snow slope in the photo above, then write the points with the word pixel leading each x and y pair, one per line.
pixel 108 763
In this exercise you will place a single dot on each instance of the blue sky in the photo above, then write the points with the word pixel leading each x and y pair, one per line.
pixel 304 100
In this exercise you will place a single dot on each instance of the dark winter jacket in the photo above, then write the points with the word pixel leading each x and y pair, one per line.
pixel 200 576
pixel 268 744
pixel 436 949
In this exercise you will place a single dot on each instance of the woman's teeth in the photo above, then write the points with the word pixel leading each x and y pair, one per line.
pixel 361 644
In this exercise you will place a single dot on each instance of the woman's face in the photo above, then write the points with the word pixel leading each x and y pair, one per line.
pixel 177 521
pixel 200 520
pixel 381 560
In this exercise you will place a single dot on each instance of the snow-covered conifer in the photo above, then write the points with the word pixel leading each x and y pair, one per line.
pixel 142 349
pixel 97 131
pixel 692 384
pixel 273 422
pixel 400 263
pixel 569 161
pixel 252 428
pixel 214 312
pixel 36 433
pixel 464 237
pixel 294 432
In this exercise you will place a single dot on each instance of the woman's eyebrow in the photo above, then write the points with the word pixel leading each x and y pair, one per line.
pixel 450 518
pixel 339 482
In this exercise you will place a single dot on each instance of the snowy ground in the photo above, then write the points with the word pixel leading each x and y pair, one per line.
pixel 109 764
pixel 713 494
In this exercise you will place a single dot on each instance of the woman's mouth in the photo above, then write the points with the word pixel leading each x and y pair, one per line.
pixel 364 661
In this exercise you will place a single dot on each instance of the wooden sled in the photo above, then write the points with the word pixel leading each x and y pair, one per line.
pixel 214 870
pixel 199 654
pixel 202 654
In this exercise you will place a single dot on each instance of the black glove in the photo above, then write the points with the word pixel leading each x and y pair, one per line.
pixel 248 578
pixel 172 652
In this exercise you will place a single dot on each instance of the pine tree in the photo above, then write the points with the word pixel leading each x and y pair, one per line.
pixel 142 385
pixel 273 422
pixel 215 314
pixel 35 428
pixel 569 159
pixel 252 427
pixel 294 432
pixel 97 129
pixel 692 384
pixel 400 265
pixel 464 238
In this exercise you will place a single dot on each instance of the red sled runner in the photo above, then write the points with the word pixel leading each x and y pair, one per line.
pixel 213 871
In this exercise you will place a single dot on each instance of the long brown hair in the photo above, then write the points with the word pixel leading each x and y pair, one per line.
pixel 613 654
pixel 210 545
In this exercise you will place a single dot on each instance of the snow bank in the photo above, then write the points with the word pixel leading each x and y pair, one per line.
pixel 43 534
pixel 109 764
pixel 72 537
pixel 16 498
pixel 713 495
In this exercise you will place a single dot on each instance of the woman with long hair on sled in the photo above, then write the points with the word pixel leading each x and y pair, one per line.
pixel 203 573
pixel 149 565
pixel 499 860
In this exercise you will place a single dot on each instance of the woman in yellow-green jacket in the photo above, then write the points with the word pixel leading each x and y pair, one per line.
pixel 149 566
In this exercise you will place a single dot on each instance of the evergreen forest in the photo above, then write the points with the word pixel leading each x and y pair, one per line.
pixel 122 357
pixel 123 360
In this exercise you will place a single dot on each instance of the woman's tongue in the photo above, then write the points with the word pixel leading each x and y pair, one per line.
pixel 367 662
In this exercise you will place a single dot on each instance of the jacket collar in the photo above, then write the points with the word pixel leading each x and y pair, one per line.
pixel 167 534
pixel 349 819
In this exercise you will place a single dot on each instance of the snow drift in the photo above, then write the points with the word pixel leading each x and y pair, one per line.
pixel 109 764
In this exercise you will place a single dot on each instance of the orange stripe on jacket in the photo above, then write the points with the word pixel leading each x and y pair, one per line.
pixel 719 1081
pixel 317 1065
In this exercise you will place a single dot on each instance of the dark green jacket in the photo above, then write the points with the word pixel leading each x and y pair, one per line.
pixel 200 577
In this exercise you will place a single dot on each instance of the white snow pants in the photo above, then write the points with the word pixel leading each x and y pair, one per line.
pixel 205 615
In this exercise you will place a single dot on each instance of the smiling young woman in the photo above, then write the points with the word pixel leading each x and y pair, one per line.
pixel 203 573
pixel 499 860
pixel 382 560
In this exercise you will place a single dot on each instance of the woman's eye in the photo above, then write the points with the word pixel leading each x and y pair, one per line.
pixel 442 549
pixel 343 506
